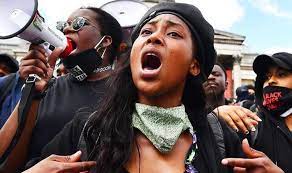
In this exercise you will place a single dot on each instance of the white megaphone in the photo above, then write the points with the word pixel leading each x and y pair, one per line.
pixel 128 13
pixel 21 18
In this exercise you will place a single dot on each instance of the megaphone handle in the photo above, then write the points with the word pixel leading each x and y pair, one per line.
pixel 46 46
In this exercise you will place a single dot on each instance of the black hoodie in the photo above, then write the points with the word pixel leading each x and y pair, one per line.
pixel 274 138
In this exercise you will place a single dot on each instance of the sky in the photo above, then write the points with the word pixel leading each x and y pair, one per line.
pixel 266 24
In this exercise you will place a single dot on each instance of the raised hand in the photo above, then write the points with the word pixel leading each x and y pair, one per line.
pixel 37 62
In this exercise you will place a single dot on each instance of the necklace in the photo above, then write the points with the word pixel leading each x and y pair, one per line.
pixel 102 69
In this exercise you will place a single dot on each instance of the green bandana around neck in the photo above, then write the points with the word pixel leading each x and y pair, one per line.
pixel 161 126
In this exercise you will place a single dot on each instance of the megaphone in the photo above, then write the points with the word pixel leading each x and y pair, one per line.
pixel 128 13
pixel 21 18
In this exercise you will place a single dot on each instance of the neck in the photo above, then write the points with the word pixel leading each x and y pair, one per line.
pixel 288 122
pixel 213 101
pixel 166 100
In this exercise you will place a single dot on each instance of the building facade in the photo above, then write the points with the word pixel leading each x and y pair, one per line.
pixel 230 48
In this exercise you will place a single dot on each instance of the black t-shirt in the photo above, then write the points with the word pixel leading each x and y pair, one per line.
pixel 64 99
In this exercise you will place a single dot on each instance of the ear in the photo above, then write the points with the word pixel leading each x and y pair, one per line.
pixel 107 41
pixel 226 84
pixel 194 67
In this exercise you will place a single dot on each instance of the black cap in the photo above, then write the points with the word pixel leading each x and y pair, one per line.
pixel 202 31
pixel 10 62
pixel 263 62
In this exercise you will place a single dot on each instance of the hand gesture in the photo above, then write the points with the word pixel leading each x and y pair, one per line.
pixel 62 164
pixel 238 118
pixel 37 62
pixel 257 162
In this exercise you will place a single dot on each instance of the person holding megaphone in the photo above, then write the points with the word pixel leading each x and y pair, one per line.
pixel 95 37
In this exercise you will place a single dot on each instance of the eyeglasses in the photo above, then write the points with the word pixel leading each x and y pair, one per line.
pixel 76 24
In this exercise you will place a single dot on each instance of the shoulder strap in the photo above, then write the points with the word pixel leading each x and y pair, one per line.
pixel 218 132
pixel 16 152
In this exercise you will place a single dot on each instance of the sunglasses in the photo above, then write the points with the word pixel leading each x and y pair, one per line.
pixel 76 24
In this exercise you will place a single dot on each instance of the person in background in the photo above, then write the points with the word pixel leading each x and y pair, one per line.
pixel 10 86
pixel 96 37
pixel 214 88
pixel 154 118
pixel 8 65
pixel 245 96
pixel 273 90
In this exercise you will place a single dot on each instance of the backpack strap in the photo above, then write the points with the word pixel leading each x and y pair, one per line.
pixel 15 154
pixel 218 132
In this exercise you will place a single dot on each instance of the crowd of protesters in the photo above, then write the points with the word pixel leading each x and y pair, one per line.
pixel 162 110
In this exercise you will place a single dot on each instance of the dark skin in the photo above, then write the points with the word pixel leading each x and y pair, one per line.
pixel 256 162
pixel 37 61
pixel 168 37
pixel 62 164
pixel 170 162
pixel 215 86
pixel 4 69
pixel 237 117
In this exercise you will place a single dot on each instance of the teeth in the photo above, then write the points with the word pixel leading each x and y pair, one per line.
pixel 151 54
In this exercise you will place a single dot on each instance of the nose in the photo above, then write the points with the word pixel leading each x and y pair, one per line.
pixel 211 77
pixel 68 29
pixel 272 80
pixel 155 38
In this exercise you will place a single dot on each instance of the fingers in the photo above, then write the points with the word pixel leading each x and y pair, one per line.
pixel 251 114
pixel 239 170
pixel 54 56
pixel 230 122
pixel 78 166
pixel 238 121
pixel 71 158
pixel 33 63
pixel 38 48
pixel 239 118
pixel 245 119
pixel 238 162
pixel 65 164
pixel 250 152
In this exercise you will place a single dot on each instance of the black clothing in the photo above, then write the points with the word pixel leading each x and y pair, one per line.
pixel 63 100
pixel 275 140
pixel 281 59
pixel 69 141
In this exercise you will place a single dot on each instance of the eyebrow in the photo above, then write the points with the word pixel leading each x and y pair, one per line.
pixel 169 22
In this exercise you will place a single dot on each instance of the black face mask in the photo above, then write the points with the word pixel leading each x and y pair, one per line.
pixel 82 64
pixel 277 100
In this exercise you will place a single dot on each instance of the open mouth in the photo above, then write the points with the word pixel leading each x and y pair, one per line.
pixel 71 46
pixel 151 61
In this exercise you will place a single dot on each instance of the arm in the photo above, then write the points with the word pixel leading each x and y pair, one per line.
pixel 66 141
pixel 8 130
pixel 18 135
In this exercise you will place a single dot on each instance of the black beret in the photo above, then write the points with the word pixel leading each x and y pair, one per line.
pixel 202 31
